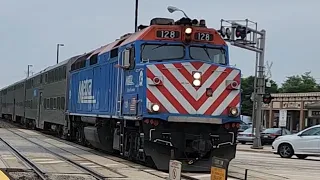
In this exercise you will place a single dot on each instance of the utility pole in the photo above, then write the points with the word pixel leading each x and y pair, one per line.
pixel 136 16
pixel 243 36
pixel 254 94
pixel 58 47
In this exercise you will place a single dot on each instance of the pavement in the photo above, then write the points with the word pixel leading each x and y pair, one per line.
pixel 263 164
pixel 247 147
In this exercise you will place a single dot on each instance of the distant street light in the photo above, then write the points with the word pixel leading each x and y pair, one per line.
pixel 58 46
pixel 172 9
pixel 136 16
pixel 28 71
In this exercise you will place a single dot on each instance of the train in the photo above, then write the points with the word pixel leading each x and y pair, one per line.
pixel 166 91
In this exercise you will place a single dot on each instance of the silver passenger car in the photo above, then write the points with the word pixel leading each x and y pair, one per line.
pixel 39 101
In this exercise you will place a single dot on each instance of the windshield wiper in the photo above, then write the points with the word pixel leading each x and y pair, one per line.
pixel 206 50
pixel 164 44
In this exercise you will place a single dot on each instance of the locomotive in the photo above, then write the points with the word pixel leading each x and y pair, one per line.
pixel 164 92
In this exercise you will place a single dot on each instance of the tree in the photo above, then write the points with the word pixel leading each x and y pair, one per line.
pixel 300 83
pixel 247 90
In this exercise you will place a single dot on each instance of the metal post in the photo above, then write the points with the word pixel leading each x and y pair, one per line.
pixel 260 92
pixel 136 16
pixel 254 104
pixel 28 71
pixel 58 46
pixel 245 174
pixel 172 154
pixel 58 53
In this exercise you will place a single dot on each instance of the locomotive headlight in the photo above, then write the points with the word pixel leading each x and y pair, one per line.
pixel 196 82
pixel 197 75
pixel 234 111
pixel 188 30
pixel 155 107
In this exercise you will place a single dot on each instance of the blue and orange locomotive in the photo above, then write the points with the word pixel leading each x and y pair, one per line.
pixel 166 88
pixel 166 91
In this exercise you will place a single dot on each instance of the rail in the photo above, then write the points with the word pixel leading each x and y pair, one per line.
pixel 89 171
pixel 183 175
pixel 37 170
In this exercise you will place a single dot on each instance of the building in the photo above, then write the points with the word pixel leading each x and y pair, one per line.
pixel 303 110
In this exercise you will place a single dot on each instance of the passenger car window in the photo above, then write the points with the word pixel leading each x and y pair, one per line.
pixel 312 132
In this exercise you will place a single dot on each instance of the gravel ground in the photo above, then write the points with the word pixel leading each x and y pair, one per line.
pixel 4 124
pixel 23 176
pixel 70 177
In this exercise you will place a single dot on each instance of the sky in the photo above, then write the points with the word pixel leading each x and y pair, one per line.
pixel 30 30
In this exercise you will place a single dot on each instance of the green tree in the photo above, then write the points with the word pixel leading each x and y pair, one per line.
pixel 300 83
pixel 247 90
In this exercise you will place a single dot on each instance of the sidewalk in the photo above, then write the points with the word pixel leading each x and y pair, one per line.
pixel 247 147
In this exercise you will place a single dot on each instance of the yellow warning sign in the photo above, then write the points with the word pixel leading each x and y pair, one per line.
pixel 218 173
pixel 3 176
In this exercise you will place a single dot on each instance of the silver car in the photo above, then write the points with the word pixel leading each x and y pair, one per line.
pixel 246 136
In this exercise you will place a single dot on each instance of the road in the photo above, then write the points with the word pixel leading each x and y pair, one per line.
pixel 269 166
pixel 275 167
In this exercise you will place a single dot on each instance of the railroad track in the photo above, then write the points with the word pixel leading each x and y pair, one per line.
pixel 84 148
pixel 85 169
pixel 37 170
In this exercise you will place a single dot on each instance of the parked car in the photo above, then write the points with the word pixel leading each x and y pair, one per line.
pixel 244 127
pixel 270 134
pixel 247 135
pixel 303 144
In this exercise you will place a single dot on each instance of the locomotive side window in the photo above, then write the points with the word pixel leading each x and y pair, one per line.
pixel 63 101
pixel 214 55
pixel 156 52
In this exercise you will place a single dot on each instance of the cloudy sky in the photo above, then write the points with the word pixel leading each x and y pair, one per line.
pixel 30 30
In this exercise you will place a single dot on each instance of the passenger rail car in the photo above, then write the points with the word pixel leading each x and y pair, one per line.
pixel 45 96
pixel 166 91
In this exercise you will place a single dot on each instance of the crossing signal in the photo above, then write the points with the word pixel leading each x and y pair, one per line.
pixel 266 99
pixel 242 32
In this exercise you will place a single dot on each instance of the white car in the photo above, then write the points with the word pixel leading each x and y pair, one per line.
pixel 303 144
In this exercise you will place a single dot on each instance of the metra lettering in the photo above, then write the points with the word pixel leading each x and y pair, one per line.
pixel 85 95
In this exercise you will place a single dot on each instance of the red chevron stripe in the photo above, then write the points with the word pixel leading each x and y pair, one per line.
pixel 196 104
pixel 219 100
pixel 189 77
pixel 153 99
pixel 233 103
pixel 197 65
pixel 165 92
pixel 215 85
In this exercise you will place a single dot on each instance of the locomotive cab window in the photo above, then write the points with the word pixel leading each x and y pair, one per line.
pixel 164 51
pixel 214 55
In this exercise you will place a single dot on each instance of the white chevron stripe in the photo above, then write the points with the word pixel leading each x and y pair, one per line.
pixel 238 105
pixel 173 90
pixel 148 104
pixel 193 92
pixel 164 101
pixel 190 68
pixel 217 92
pixel 226 102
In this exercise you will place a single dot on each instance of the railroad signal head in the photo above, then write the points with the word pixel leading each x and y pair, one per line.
pixel 241 32
pixel 266 99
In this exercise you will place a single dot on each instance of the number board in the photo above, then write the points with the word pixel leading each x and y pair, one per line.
pixel 203 36
pixel 168 34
